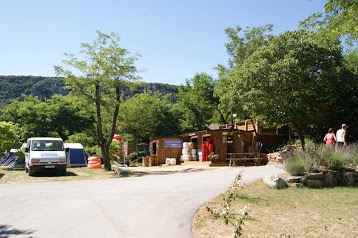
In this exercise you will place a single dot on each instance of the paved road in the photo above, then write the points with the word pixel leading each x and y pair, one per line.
pixel 152 206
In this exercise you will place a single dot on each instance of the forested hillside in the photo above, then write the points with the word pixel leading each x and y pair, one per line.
pixel 12 87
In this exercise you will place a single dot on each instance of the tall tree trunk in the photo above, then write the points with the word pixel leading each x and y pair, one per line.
pixel 100 139
pixel 106 158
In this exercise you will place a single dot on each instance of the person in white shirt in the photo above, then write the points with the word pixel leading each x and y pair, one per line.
pixel 341 136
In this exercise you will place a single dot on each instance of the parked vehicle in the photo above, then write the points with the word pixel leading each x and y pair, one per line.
pixel 45 154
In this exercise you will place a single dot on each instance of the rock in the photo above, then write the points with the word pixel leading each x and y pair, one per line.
pixel 279 160
pixel 294 179
pixel 297 185
pixel 274 181
pixel 312 183
pixel 348 179
pixel 329 179
pixel 315 176
pixel 122 172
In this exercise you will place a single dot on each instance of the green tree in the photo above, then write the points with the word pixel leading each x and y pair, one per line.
pixel 67 115
pixel 9 136
pixel 241 44
pixel 104 71
pixel 30 114
pixel 339 19
pixel 58 116
pixel 196 102
pixel 352 60
pixel 145 116
pixel 88 141
pixel 292 80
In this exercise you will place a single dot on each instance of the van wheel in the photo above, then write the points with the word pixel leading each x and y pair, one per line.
pixel 31 172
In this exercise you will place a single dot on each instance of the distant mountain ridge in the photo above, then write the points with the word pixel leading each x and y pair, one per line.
pixel 11 87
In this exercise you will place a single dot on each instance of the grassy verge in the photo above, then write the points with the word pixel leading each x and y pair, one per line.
pixel 8 175
pixel 289 212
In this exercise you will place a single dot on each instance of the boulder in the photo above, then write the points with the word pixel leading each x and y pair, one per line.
pixel 297 185
pixel 274 181
pixel 315 176
pixel 313 183
pixel 294 179
pixel 122 172
pixel 329 179
pixel 348 179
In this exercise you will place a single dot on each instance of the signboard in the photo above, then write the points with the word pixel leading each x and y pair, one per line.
pixel 173 143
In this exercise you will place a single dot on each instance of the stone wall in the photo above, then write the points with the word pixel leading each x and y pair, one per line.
pixel 329 178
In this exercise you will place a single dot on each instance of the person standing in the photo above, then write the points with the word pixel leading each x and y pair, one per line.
pixel 330 138
pixel 341 136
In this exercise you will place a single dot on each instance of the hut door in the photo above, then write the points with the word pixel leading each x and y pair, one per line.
pixel 153 147
pixel 230 144
pixel 194 140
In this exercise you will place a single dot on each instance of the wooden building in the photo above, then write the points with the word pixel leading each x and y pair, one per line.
pixel 163 148
pixel 243 143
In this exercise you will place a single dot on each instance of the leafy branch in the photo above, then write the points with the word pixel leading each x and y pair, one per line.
pixel 225 212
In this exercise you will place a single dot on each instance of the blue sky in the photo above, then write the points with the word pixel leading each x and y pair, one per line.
pixel 176 39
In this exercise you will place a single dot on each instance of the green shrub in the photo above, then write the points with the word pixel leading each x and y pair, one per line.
pixel 332 159
pixel 322 155
pixel 132 156
pixel 352 154
pixel 299 163
pixel 319 157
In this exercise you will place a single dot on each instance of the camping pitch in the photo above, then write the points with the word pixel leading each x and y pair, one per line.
pixel 76 156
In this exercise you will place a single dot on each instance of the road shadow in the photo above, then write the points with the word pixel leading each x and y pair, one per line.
pixel 127 173
pixel 8 230
pixel 1 175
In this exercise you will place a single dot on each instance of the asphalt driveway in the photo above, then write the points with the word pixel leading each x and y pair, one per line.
pixel 151 206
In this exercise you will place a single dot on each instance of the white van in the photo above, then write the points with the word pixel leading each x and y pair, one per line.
pixel 44 154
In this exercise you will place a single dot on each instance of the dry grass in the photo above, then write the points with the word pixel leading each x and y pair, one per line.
pixel 8 175
pixel 289 212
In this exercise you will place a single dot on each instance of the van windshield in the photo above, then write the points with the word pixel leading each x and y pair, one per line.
pixel 47 145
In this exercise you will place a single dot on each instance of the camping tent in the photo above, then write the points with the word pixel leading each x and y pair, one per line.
pixel 76 156
pixel 12 160
pixel 9 158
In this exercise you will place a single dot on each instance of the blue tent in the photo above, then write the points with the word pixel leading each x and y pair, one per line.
pixel 76 156
pixel 11 160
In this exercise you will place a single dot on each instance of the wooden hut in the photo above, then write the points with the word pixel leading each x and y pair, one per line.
pixel 241 143
pixel 163 148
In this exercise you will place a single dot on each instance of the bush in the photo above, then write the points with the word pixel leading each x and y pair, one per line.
pixel 330 158
pixel 352 154
pixel 299 163
pixel 132 156
pixel 320 157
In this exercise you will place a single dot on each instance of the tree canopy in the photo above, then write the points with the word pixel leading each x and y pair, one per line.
pixel 145 116
pixel 59 116
pixel 241 44
pixel 339 19
pixel 9 136
pixel 196 102
pixel 291 80
pixel 100 77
